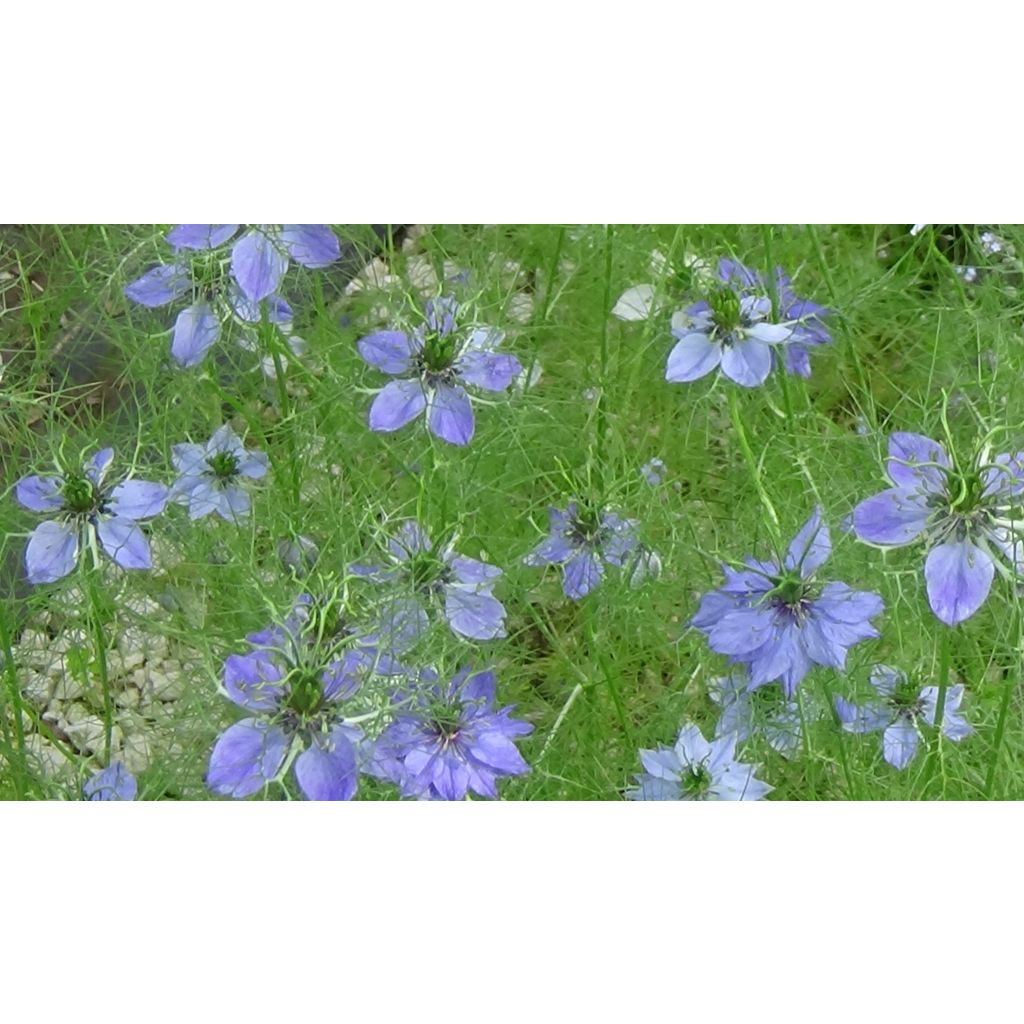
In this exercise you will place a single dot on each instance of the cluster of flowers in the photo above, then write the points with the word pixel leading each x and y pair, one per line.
pixel 89 512
pixel 237 285
pixel 434 738
pixel 774 618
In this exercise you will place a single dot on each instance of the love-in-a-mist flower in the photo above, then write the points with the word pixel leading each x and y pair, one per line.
pixel 730 329
pixel 654 472
pixel 695 769
pixel 87 512
pixel 426 578
pixel 805 318
pixel 432 366
pixel 294 684
pixel 764 711
pixel 779 620
pixel 114 782
pixel 229 284
pixel 968 515
pixel 449 739
pixel 210 475
pixel 582 540
pixel 900 709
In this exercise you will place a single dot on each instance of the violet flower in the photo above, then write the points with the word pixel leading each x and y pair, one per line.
pixel 450 739
pixel 88 512
pixel 695 769
pixel 210 475
pixel 431 366
pixel 294 684
pixel 423 577
pixel 582 540
pixel 257 260
pixel 779 621
pixel 114 782
pixel 968 517
pixel 899 709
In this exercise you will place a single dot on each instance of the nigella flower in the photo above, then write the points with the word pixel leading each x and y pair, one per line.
pixel 258 261
pixel 729 329
pixel 210 475
pixel 294 684
pixel 87 509
pixel 697 770
pixel 448 739
pixel 423 576
pixel 431 366
pixel 965 514
pixel 581 540
pixel 900 708
pixel 779 621
pixel 113 783
pixel 764 711
pixel 654 472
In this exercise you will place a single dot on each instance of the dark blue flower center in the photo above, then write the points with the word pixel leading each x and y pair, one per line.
pixel 586 528
pixel 905 700
pixel 223 465
pixel 446 722
pixel 790 594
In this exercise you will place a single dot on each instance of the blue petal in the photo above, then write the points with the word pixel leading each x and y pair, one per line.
pixel 195 330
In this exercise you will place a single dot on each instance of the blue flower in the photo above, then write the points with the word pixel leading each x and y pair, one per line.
pixel 423 577
pixel 447 740
pixel 113 783
pixel 210 474
pixel 582 541
pixel 730 329
pixel 745 713
pixel 86 509
pixel 778 621
pixel 258 262
pixel 294 684
pixel 654 472
pixel 966 515
pixel 431 366
pixel 900 708
pixel 697 770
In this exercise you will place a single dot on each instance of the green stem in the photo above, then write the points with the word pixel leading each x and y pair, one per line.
pixel 1004 711
pixel 21 768
pixel 945 659
pixel 576 691
pixel 755 471
pixel 935 753
pixel 600 418
pixel 100 647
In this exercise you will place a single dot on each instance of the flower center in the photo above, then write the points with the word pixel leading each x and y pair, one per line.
pixel 585 527
pixel 446 723
pixel 223 465
pixel 790 595
pixel 79 494
pixel 725 309
pixel 427 572
pixel 905 700
pixel 306 693
pixel 438 352
pixel 696 779
pixel 209 271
